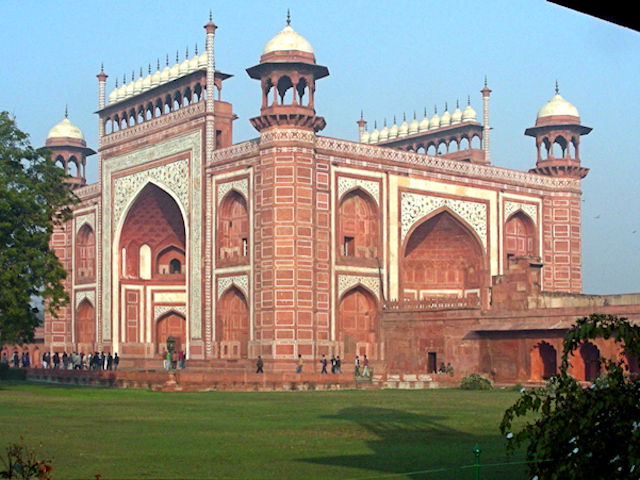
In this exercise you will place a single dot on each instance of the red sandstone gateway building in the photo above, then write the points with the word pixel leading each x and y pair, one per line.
pixel 407 246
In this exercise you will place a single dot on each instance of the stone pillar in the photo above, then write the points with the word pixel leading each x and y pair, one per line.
pixel 485 129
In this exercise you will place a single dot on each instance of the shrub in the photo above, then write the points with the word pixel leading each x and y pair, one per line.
pixel 518 387
pixel 475 382
pixel 20 462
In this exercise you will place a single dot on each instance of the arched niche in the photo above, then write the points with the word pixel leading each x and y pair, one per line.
pixel 357 325
pixel 544 362
pixel 520 236
pixel 153 223
pixel 85 255
pixel 170 261
pixel 442 257
pixel 171 324
pixel 233 230
pixel 358 227
pixel 586 362
pixel 85 326
pixel 232 324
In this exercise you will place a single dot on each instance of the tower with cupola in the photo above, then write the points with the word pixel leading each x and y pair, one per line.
pixel 292 211
pixel 557 132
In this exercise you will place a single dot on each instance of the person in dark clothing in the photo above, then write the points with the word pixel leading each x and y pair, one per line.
pixel 324 364
pixel 116 361
pixel 333 364
pixel 109 361
pixel 259 365
pixel 338 364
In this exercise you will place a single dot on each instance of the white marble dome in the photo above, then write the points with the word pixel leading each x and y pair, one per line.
pixel 286 40
pixel 65 129
pixel 558 106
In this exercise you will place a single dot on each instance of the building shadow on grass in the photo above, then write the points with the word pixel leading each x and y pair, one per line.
pixel 418 446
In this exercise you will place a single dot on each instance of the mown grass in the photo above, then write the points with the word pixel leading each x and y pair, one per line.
pixel 280 435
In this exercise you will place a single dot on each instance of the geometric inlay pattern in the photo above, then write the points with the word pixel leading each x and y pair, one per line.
pixel 88 218
pixel 345 282
pixel 160 310
pixel 241 186
pixel 347 183
pixel 416 206
pixel 173 175
pixel 86 294
pixel 530 210
pixel 240 281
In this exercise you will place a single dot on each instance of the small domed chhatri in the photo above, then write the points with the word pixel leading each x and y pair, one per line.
pixel 287 44
pixel 557 110
pixel 65 129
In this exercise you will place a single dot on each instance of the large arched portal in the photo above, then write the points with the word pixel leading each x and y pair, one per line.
pixel 544 362
pixel 232 324
pixel 520 236
pixel 442 258
pixel 358 227
pixel 172 324
pixel 357 326
pixel 586 364
pixel 85 327
pixel 151 261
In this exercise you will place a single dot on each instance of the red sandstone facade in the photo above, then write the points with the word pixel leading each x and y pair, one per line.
pixel 408 246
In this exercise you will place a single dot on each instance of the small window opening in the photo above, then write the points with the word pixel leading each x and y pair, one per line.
pixel 349 246
pixel 245 247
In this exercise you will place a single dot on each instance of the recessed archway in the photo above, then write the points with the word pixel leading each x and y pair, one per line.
pixel 357 326
pixel 85 326
pixel 358 226
pixel 442 257
pixel 544 362
pixel 85 255
pixel 520 236
pixel 232 324
pixel 171 324
pixel 233 229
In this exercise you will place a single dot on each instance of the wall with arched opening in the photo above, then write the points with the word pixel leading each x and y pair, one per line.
pixel 358 232
pixel 85 255
pixel 544 362
pixel 442 257
pixel 233 230
pixel 357 325
pixel 520 236
pixel 85 327
pixel 171 324
pixel 232 324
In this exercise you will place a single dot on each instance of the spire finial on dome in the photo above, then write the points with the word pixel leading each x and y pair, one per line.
pixel 102 67
pixel 468 99
pixel 394 119
pixel 177 57
pixel 557 89
pixel 425 112
pixel 485 80
pixel 361 114
pixel 375 124
pixel 124 79
pixel 210 15
pixel 196 49
pixel 414 114
pixel 457 103
pixel 435 109
pixel 149 69
pixel 288 17
pixel 404 116
pixel 140 72
pixel 186 55
pixel 66 112
pixel 446 107
pixel 385 121
pixel 133 75
pixel 158 64
pixel 167 60
pixel 116 82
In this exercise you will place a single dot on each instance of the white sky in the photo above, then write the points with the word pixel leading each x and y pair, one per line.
pixel 384 58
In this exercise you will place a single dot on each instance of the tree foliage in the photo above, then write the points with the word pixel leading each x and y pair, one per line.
pixel 33 198
pixel 583 432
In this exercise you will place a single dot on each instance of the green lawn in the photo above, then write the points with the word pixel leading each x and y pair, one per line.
pixel 279 435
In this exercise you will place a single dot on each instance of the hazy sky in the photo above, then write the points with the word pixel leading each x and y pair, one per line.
pixel 385 58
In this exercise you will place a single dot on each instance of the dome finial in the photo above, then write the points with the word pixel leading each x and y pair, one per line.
pixel 196 49
pixel 446 107
pixel 485 80
pixel 158 65
pixel 468 99
pixel 149 69
pixel 457 103
pixel 210 15
pixel 557 89
pixel 404 116
pixel 133 75
pixel 414 114
pixel 435 109
pixel 140 72
pixel 124 79
pixel 186 55
pixel 361 114
pixel 394 119
pixel 66 112
pixel 288 17
pixel 167 60
pixel 177 57
pixel 102 67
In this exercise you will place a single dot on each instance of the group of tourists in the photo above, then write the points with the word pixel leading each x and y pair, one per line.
pixel 175 360
pixel 17 360
pixel 80 361
pixel 365 367
pixel 336 364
